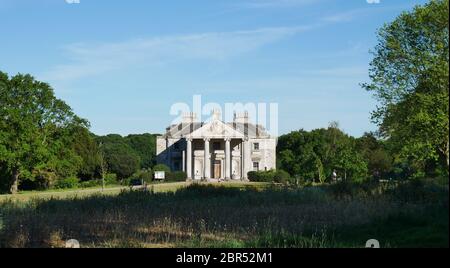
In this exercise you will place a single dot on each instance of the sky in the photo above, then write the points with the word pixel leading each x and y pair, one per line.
pixel 123 64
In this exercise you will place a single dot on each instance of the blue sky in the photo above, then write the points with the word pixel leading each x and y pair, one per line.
pixel 122 64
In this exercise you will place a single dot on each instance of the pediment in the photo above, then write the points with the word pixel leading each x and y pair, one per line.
pixel 215 129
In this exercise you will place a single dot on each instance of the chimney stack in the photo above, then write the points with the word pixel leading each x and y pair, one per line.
pixel 241 117
pixel 189 118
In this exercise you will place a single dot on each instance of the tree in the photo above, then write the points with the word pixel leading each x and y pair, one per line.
pixel 320 173
pixel 379 160
pixel 35 129
pixel 315 154
pixel 86 147
pixel 120 157
pixel 410 79
pixel 145 146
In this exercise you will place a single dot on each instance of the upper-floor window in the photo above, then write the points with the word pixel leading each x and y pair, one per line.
pixel 256 146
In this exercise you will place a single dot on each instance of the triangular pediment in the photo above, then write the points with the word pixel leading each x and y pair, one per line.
pixel 215 129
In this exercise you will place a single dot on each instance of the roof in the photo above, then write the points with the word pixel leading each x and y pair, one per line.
pixel 215 128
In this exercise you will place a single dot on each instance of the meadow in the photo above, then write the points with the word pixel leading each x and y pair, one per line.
pixel 409 214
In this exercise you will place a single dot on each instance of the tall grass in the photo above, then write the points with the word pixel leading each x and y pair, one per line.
pixel 210 216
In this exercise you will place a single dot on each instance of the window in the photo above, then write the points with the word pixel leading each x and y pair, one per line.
pixel 256 146
pixel 255 166
pixel 216 145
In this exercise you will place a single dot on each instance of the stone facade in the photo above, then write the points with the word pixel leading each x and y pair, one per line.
pixel 216 150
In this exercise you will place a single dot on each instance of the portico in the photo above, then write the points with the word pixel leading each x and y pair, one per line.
pixel 216 158
pixel 216 150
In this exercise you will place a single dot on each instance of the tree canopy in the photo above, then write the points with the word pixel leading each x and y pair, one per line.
pixel 410 79
pixel 312 156
pixel 35 130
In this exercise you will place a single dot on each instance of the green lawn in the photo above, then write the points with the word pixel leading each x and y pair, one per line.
pixel 114 190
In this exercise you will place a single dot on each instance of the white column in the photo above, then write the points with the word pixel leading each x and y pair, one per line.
pixel 207 160
pixel 227 159
pixel 184 160
pixel 189 159
pixel 246 158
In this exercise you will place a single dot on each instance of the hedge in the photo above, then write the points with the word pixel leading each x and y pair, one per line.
pixel 278 176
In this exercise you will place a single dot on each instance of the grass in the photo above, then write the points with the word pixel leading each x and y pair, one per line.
pixel 109 190
pixel 231 215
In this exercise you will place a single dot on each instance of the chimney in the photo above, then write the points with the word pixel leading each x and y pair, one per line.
pixel 241 117
pixel 216 114
pixel 188 118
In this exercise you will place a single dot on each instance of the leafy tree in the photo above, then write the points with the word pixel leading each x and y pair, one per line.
pixel 86 147
pixel 320 173
pixel 121 159
pixel 409 77
pixel 145 146
pixel 314 155
pixel 379 160
pixel 35 129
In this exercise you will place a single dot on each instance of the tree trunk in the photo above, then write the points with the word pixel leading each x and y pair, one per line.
pixel 445 150
pixel 15 182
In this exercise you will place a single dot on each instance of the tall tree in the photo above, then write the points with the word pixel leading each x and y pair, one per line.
pixel 121 159
pixel 410 79
pixel 35 128
pixel 145 146
pixel 86 147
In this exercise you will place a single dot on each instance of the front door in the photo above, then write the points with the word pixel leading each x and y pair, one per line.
pixel 217 169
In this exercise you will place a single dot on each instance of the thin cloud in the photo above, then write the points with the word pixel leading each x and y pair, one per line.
pixel 257 4
pixel 94 59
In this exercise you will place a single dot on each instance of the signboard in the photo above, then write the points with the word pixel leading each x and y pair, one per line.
pixel 159 175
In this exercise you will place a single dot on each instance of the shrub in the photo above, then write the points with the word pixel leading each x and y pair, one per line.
pixel 111 179
pixel 278 176
pixel 143 175
pixel 67 183
pixel 161 167
pixel 43 179
pixel 90 183
pixel 282 176
pixel 176 176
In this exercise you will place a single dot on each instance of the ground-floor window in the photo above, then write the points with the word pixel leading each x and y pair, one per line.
pixel 255 166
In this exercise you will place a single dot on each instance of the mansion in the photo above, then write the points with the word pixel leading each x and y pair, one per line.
pixel 216 150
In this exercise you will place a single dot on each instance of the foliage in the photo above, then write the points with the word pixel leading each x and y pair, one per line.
pixel 68 183
pixel 261 176
pixel 120 157
pixel 409 77
pixel 312 156
pixel 176 176
pixel 278 176
pixel 86 147
pixel 145 175
pixel 145 147
pixel 36 130
pixel 110 179
pixel 161 167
